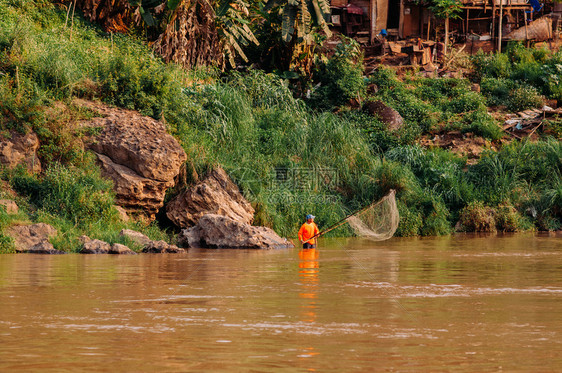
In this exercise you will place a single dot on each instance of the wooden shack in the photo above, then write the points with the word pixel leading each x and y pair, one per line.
pixel 364 19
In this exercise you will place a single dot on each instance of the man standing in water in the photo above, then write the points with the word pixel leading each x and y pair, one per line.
pixel 307 231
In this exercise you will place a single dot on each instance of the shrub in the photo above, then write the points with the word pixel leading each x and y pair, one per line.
pixel 482 124
pixel 524 98
pixel 477 217
pixel 491 65
pixel 496 90
pixel 342 80
pixel 79 195
pixel 508 219
pixel 384 78
pixel 377 134
pixel 6 242
pixel 392 175
pixel 20 107
pixel 411 221
pixel 553 126
pixel 465 102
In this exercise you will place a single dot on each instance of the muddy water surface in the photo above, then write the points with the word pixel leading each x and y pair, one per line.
pixel 461 303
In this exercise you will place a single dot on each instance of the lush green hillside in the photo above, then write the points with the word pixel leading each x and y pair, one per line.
pixel 289 156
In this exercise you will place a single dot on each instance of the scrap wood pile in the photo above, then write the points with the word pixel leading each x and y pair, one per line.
pixel 413 52
pixel 428 54
pixel 526 123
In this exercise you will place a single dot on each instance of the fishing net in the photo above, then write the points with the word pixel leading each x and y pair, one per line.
pixel 377 222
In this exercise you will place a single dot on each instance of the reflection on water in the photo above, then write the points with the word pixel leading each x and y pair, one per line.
pixel 308 275
pixel 458 303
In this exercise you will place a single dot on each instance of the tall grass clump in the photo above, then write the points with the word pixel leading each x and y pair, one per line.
pixel 78 195
pixel 497 176
pixel 437 170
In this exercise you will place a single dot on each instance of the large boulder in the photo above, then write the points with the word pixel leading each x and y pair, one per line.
pixel 18 149
pixel 216 194
pixel 216 231
pixel 26 237
pixel 136 194
pixel 384 113
pixel 139 156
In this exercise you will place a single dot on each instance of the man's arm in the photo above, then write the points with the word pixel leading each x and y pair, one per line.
pixel 301 231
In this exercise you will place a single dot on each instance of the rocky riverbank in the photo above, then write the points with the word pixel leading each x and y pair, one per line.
pixel 143 162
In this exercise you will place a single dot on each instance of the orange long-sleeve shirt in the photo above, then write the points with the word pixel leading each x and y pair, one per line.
pixel 308 230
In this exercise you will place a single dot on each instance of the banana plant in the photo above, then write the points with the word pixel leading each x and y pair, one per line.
pixel 205 32
pixel 299 17
pixel 233 27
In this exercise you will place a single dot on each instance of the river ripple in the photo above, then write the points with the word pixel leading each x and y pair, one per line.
pixel 463 303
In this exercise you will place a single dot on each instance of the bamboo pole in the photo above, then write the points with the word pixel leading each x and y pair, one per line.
pixel 500 28
pixel 428 24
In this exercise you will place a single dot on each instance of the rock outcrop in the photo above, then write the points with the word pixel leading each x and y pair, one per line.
pixel 43 247
pixel 216 231
pixel 20 149
pixel 386 114
pixel 150 246
pixel 122 213
pixel 95 247
pixel 10 206
pixel 137 237
pixel 162 247
pixel 33 238
pixel 216 194
pixel 139 156
pixel 102 247
pixel 119 249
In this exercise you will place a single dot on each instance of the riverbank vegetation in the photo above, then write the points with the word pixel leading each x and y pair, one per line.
pixel 293 143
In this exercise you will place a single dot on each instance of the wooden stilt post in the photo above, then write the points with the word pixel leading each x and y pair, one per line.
pixel 526 32
pixel 500 28
pixel 428 25
pixel 373 22
pixel 467 17
pixel 493 31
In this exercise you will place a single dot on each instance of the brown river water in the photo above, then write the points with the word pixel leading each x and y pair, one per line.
pixel 461 303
